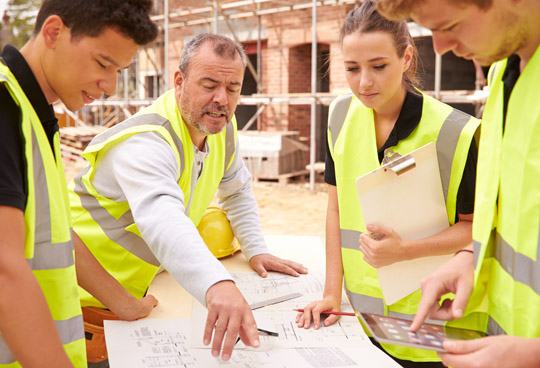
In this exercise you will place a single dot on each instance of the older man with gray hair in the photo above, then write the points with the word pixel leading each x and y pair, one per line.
pixel 148 183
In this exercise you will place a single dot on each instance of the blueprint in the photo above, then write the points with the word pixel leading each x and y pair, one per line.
pixel 165 343
pixel 346 332
pixel 171 343
pixel 256 289
pixel 277 283
pixel 281 317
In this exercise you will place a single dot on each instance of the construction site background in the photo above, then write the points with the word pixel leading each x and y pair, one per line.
pixel 293 74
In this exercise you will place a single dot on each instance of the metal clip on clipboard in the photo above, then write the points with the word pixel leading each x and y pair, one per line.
pixel 397 163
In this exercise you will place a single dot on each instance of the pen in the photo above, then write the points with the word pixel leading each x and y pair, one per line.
pixel 332 312
pixel 261 332
pixel 267 333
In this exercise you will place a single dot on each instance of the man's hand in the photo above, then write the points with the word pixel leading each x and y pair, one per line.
pixel 267 262
pixel 494 352
pixel 229 315
pixel 97 281
pixel 135 308
pixel 455 276
pixel 314 309
pixel 389 248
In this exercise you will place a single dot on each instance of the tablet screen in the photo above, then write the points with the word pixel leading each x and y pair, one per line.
pixel 393 330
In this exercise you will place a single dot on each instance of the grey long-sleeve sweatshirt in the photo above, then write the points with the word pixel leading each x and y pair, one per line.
pixel 142 171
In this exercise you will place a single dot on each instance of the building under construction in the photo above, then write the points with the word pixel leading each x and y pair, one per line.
pixel 295 69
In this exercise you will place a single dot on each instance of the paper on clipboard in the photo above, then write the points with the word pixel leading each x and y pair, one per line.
pixel 411 203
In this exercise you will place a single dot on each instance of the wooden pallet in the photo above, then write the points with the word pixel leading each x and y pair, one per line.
pixel 79 137
pixel 286 178
pixel 73 140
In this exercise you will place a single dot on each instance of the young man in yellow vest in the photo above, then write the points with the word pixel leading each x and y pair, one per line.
pixel 151 178
pixel 74 55
pixel 506 224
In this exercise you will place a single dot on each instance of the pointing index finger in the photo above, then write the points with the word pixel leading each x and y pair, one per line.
pixel 429 299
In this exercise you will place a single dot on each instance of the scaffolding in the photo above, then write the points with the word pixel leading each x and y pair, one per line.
pixel 133 91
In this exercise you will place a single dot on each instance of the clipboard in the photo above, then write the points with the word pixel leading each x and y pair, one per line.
pixel 405 194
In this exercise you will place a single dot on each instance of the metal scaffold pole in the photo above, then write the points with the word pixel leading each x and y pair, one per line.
pixel 259 66
pixel 313 95
pixel 216 17
pixel 438 68
pixel 166 45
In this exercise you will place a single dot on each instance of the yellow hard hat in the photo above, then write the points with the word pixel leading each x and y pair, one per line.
pixel 215 230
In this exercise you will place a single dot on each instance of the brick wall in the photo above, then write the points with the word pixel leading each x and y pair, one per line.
pixel 286 64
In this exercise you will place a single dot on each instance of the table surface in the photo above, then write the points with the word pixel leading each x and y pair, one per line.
pixel 176 302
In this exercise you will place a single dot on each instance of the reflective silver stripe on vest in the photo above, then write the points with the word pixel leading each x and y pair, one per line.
pixel 364 303
pixel 193 183
pixel 349 239
pixel 52 256
pixel 230 146
pixel 490 252
pixel 47 256
pixel 493 328
pixel 522 268
pixel 447 141
pixel 360 302
pixel 492 74
pixel 476 247
pixel 114 229
pixel 145 119
pixel 43 210
pixel 6 357
pixel 69 330
pixel 338 115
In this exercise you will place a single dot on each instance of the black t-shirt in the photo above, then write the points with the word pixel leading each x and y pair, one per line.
pixel 408 120
pixel 510 77
pixel 13 180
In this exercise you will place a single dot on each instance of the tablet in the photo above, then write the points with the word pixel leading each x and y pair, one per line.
pixel 391 330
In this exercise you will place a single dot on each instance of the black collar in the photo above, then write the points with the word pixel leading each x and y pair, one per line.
pixel 512 72
pixel 510 77
pixel 408 119
pixel 28 82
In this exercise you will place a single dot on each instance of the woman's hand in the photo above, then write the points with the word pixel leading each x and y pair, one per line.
pixel 383 247
pixel 314 310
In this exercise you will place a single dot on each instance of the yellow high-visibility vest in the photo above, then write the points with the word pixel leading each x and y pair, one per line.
pixel 353 146
pixel 48 238
pixel 506 226
pixel 107 226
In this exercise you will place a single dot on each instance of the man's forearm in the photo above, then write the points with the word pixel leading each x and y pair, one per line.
pixel 93 278
pixel 26 323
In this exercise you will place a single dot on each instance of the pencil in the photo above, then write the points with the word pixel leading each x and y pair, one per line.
pixel 332 312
